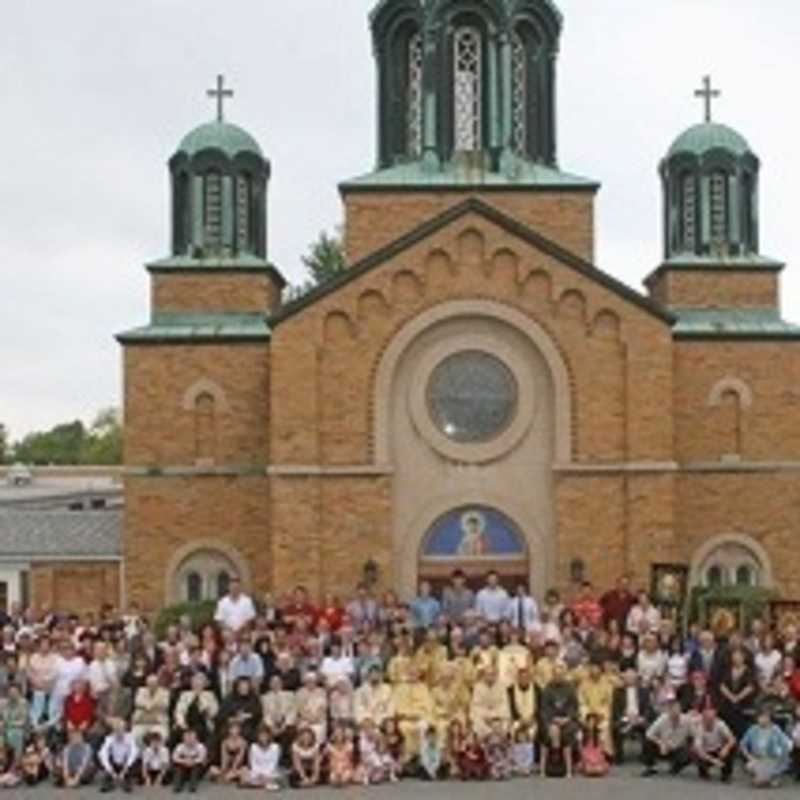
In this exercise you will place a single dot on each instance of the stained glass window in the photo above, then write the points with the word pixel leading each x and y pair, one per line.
pixel 519 95
pixel 472 397
pixel 467 52
pixel 415 60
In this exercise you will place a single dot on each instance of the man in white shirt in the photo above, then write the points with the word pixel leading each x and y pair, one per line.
pixel 714 746
pixel 236 609
pixel 523 611
pixel 668 739
pixel 644 617
pixel 492 601
pixel 117 756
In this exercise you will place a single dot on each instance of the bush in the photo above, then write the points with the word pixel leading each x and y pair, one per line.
pixel 199 613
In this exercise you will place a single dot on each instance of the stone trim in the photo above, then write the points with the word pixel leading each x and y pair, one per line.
pixel 196 545
pixel 702 553
pixel 602 469
pixel 310 470
pixel 540 339
pixel 730 384
pixel 201 387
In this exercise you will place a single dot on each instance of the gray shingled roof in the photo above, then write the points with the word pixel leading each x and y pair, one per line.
pixel 41 535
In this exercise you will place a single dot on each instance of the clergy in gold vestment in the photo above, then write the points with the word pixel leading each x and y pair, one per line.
pixel 464 667
pixel 413 706
pixel 374 700
pixel 545 667
pixel 489 703
pixel 522 696
pixel 513 657
pixel 451 701
pixel 595 696
pixel 401 662
pixel 430 656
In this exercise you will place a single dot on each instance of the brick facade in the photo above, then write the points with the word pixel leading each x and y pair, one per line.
pixel 294 475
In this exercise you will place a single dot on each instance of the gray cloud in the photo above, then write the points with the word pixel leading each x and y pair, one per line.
pixel 96 95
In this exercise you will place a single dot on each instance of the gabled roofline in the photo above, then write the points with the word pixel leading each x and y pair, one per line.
pixel 512 226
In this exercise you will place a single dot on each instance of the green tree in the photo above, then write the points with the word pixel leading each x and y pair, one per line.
pixel 4 448
pixel 61 445
pixel 323 262
pixel 103 443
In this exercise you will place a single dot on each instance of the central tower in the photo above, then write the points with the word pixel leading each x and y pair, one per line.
pixel 470 80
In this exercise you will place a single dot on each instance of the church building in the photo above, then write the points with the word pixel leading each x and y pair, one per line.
pixel 473 391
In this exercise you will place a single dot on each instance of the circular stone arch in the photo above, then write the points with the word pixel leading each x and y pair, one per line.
pixel 182 554
pixel 703 552
pixel 409 550
pixel 535 333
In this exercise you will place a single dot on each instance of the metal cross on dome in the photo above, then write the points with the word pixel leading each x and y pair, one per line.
pixel 220 94
pixel 708 95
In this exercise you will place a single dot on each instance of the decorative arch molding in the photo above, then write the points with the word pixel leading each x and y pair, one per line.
pixel 730 384
pixel 199 545
pixel 408 546
pixel 535 333
pixel 201 387
pixel 703 553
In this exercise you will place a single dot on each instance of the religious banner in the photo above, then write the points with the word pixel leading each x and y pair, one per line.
pixel 723 617
pixel 668 584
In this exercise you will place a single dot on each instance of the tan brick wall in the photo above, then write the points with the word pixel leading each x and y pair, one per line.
pixel 159 429
pixel 716 288
pixel 762 506
pixel 768 429
pixel 163 516
pixel 376 219
pixel 214 292
pixel 324 529
pixel 75 586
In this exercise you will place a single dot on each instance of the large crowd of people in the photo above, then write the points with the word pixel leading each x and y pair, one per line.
pixel 471 686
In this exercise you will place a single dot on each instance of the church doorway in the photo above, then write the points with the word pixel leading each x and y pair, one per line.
pixel 477 540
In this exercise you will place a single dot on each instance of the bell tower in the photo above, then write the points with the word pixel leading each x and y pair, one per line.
pixel 466 80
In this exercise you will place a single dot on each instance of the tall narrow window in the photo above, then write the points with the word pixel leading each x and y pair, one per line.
pixel 223 583
pixel 204 422
pixel 467 52
pixel 212 216
pixel 519 95
pixel 194 588
pixel 243 205
pixel 719 208
pixel 414 104
pixel 689 216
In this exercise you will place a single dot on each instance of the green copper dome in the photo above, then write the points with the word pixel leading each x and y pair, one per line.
pixel 230 139
pixel 707 136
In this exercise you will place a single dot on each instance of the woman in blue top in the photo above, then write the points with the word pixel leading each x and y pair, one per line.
pixel 766 749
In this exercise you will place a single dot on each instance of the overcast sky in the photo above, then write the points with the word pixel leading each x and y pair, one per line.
pixel 95 96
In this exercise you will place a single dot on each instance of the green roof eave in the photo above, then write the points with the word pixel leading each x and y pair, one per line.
pixel 417 176
pixel 494 215
pixel 751 324
pixel 240 264
pixel 175 327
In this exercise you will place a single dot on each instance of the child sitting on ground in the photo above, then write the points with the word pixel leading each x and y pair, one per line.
pixel 430 756
pixel 594 763
pixel 233 752
pixel 523 758
pixel 154 760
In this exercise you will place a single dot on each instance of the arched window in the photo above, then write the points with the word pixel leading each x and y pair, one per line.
pixel 689 212
pixel 244 194
pixel 748 223
pixel 731 564
pixel 519 95
pixel 414 100
pixel 467 89
pixel 194 588
pixel 212 209
pixel 223 583
pixel 180 214
pixel 205 426
pixel 719 208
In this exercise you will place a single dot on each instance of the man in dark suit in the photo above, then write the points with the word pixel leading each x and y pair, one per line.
pixel 631 713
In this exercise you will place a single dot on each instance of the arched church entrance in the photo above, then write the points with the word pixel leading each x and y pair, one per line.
pixel 476 540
